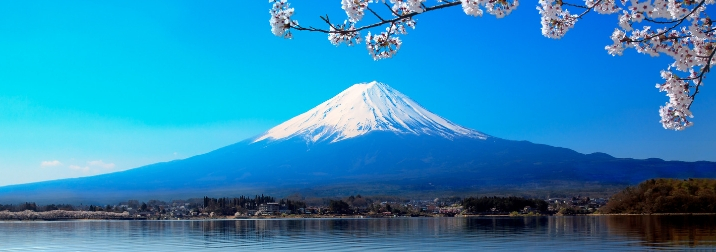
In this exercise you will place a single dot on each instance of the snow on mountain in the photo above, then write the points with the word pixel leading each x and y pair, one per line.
pixel 363 108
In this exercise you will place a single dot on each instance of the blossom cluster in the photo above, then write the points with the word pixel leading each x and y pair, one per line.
pixel 676 112
pixel 355 9
pixel 345 33
pixel 555 20
pixel 387 43
pixel 281 22
pixel 499 8
pixel 678 29
pixel 404 7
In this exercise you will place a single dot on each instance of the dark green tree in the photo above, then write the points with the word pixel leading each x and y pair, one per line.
pixel 339 207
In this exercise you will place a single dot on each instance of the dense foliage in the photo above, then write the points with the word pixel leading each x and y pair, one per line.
pixel 502 204
pixel 339 207
pixel 34 207
pixel 665 196
pixel 229 206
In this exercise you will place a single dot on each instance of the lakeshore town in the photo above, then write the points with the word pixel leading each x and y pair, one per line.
pixel 267 207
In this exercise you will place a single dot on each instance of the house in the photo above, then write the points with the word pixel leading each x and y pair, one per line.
pixel 312 210
pixel 527 209
pixel 269 208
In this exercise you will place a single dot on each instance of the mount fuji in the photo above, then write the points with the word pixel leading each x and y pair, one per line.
pixel 369 139
pixel 366 108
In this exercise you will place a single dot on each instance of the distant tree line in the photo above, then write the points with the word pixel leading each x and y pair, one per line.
pixel 339 207
pixel 292 205
pixel 665 196
pixel 229 206
pixel 502 204
pixel 34 207
pixel 360 204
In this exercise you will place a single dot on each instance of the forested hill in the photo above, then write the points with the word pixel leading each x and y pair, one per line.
pixel 665 196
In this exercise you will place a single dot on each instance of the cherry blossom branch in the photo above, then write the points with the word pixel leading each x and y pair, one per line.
pixel 377 24
pixel 376 14
pixel 678 22
pixel 588 8
pixel 700 77
pixel 575 5
pixel 661 22
pixel 391 9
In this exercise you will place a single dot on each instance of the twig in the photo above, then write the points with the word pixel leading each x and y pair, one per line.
pixel 376 14
pixel 382 22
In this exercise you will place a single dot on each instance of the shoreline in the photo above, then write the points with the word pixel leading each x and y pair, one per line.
pixel 293 217
pixel 655 214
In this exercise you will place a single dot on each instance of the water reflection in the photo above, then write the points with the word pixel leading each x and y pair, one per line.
pixel 698 230
pixel 399 234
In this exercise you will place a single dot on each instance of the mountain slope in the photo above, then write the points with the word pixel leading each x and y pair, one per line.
pixel 365 108
pixel 369 139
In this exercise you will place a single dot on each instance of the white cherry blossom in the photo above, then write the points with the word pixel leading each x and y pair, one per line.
pixel 603 6
pixel 404 7
pixel 383 45
pixel 350 38
pixel 472 8
pixel 675 114
pixel 555 21
pixel 355 9
pixel 281 18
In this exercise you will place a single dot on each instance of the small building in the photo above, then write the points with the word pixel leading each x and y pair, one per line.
pixel 312 210
pixel 527 209
pixel 269 208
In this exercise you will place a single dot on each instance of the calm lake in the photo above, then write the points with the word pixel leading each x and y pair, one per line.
pixel 582 233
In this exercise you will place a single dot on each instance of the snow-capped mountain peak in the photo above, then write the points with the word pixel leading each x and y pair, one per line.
pixel 363 108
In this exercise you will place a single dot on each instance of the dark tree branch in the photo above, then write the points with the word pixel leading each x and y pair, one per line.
pixel 681 20
pixel 391 9
pixel 701 75
pixel 376 14
pixel 589 9
pixel 575 5
pixel 382 21
pixel 659 22
pixel 325 19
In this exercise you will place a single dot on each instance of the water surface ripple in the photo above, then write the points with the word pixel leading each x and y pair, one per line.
pixel 636 233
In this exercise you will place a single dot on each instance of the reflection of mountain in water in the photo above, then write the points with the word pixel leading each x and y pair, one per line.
pixel 649 231
pixel 662 230
pixel 579 233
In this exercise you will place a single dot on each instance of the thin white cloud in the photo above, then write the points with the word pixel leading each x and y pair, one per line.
pixel 80 168
pixel 50 163
pixel 101 164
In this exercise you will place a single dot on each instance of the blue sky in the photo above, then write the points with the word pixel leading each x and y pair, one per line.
pixel 113 85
